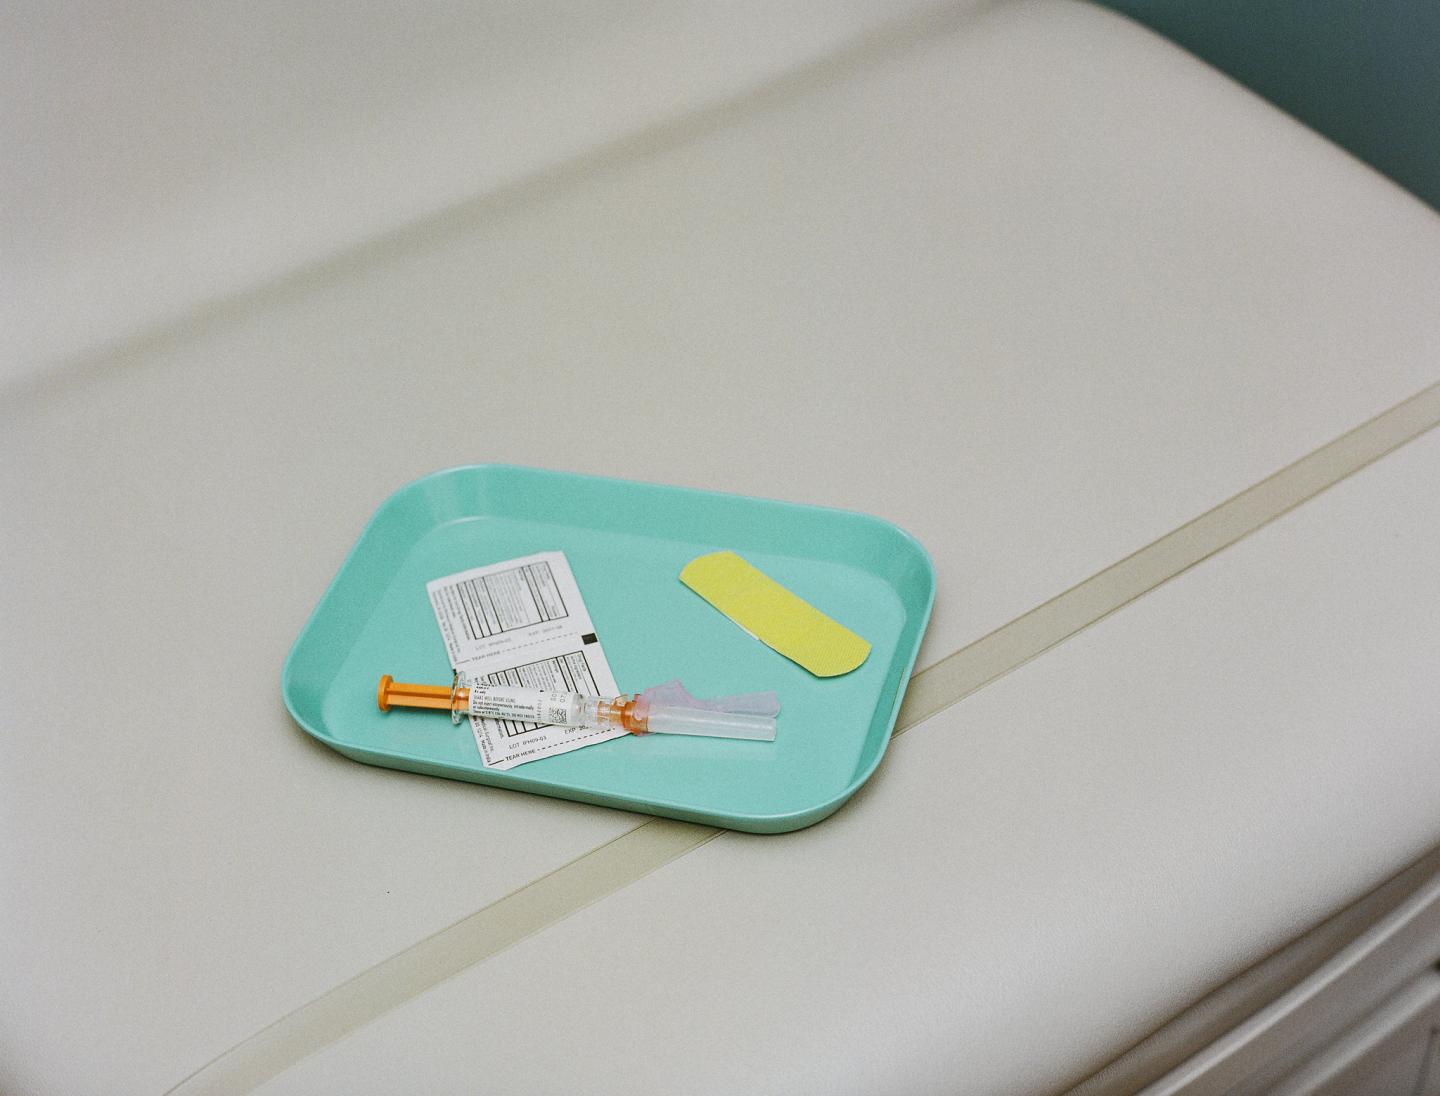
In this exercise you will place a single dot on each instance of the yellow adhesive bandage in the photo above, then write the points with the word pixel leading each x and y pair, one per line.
pixel 775 616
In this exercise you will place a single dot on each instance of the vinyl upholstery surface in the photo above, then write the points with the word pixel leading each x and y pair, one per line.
pixel 1038 287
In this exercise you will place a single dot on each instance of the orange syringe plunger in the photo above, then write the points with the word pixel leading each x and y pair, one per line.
pixel 635 714
pixel 406 695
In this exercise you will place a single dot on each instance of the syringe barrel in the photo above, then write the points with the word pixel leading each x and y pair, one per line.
pixel 526 705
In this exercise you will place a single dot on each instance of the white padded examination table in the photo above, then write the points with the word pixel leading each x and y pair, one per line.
pixel 1031 283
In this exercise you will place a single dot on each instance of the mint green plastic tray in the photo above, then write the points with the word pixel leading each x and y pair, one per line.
pixel 626 543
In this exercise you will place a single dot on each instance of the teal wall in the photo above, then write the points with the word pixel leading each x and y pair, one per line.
pixel 1365 74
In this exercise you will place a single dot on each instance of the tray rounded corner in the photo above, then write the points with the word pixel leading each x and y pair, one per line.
pixel 307 721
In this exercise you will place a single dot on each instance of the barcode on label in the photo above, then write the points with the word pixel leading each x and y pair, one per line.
pixel 504 601
pixel 569 673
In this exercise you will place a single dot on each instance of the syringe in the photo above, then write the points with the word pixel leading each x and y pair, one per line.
pixel 629 712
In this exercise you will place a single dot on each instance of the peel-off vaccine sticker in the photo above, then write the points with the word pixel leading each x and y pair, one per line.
pixel 776 617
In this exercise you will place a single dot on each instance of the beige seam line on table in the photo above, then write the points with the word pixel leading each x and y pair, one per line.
pixel 652 844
